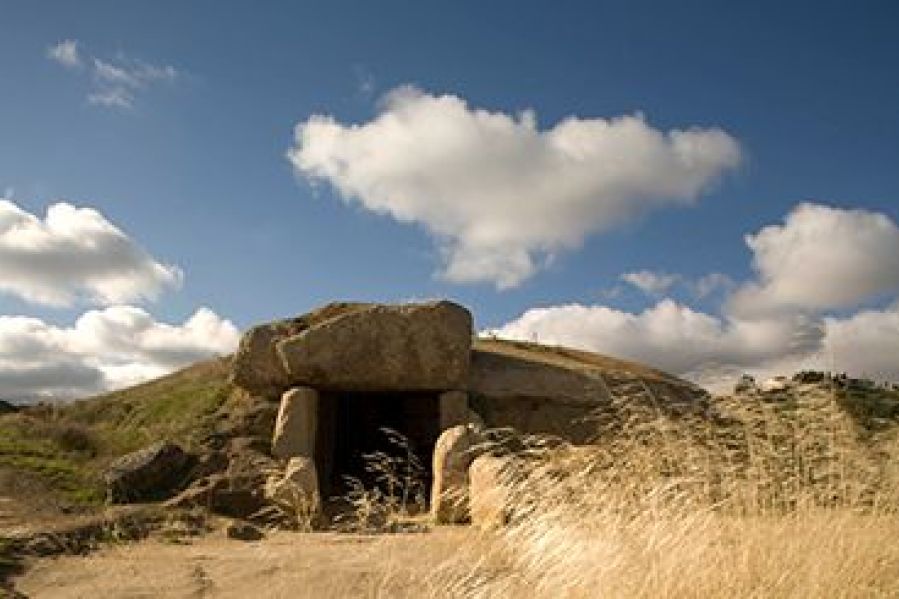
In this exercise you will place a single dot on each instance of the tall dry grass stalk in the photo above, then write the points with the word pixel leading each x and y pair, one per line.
pixel 397 498
pixel 774 500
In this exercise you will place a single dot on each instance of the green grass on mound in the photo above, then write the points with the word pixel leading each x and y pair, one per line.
pixel 67 446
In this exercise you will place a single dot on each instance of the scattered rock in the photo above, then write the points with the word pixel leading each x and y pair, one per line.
pixel 296 425
pixel 148 474
pixel 777 383
pixel 746 385
pixel 208 463
pixel 810 377
pixel 410 347
pixel 243 531
pixel 43 546
pixel 456 449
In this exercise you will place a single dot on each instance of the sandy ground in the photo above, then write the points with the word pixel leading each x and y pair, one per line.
pixel 282 565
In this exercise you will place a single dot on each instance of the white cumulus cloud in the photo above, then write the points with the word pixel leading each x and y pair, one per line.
pixel 865 344
pixel 75 253
pixel 821 258
pixel 103 350
pixel 501 195
pixel 669 335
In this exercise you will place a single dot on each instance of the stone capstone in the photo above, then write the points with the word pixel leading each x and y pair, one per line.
pixel 151 473
pixel 501 376
pixel 456 449
pixel 409 347
pixel 296 424
pixel 256 366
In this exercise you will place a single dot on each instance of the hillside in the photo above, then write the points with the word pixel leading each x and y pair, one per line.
pixel 52 456
pixel 812 438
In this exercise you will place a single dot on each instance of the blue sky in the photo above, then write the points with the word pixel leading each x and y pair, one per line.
pixel 194 170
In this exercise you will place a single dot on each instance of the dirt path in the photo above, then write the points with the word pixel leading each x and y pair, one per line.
pixel 283 565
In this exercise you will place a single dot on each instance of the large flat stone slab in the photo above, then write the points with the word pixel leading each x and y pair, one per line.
pixel 257 367
pixel 501 376
pixel 408 347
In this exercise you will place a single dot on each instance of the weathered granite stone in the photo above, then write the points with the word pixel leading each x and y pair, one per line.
pixel 409 347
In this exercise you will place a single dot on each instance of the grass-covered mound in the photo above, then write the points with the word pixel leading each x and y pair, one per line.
pixel 57 452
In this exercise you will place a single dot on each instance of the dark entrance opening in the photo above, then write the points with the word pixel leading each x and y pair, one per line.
pixel 350 426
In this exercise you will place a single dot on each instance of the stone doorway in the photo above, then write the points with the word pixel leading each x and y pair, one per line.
pixel 350 425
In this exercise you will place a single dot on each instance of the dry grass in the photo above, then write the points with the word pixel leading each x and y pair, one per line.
pixel 777 500
pixel 396 502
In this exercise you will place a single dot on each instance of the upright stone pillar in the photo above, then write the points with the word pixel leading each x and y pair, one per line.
pixel 453 409
pixel 297 423
pixel 454 451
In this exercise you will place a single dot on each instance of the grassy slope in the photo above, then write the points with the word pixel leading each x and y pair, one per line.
pixel 63 449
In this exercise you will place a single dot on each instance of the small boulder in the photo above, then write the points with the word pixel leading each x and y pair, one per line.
pixel 746 385
pixel 454 452
pixel 296 424
pixel 408 347
pixel 243 531
pixel 777 383
pixel 148 474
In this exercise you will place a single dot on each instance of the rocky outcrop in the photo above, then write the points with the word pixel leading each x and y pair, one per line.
pixel 456 449
pixel 409 347
pixel 148 474
pixel 237 490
